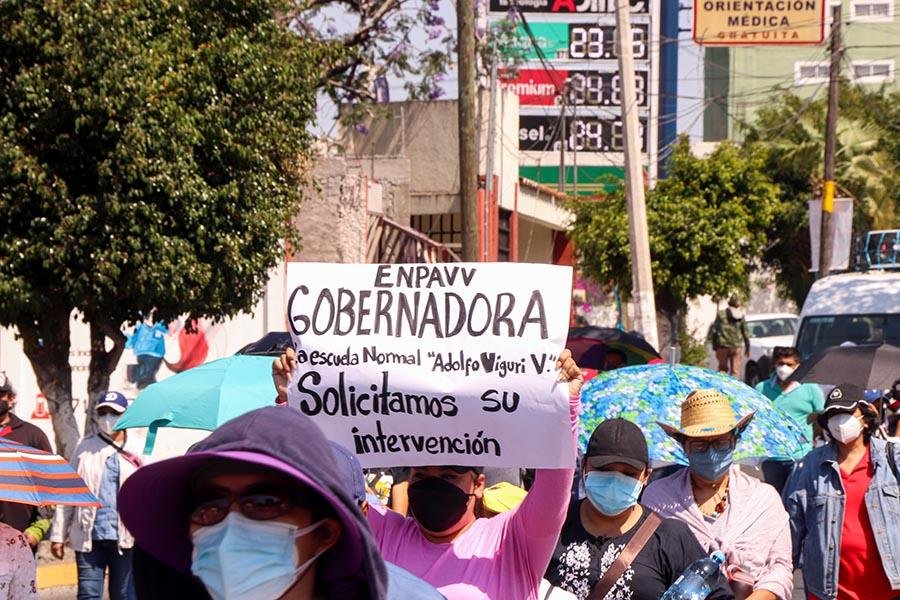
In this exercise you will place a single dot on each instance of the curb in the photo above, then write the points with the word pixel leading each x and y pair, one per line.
pixel 58 575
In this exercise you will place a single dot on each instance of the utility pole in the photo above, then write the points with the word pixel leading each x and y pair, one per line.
pixel 574 96
pixel 468 163
pixel 489 168
pixel 563 140
pixel 826 233
pixel 641 276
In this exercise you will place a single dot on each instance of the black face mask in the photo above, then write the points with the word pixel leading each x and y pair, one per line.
pixel 437 504
pixel 4 408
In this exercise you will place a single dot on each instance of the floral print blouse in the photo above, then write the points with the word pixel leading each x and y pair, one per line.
pixel 18 570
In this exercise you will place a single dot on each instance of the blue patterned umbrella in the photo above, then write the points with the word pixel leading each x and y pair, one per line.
pixel 645 394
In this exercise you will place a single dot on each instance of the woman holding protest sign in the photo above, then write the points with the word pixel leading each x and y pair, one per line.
pixel 447 545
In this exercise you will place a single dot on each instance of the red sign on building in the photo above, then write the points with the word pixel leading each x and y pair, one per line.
pixel 537 87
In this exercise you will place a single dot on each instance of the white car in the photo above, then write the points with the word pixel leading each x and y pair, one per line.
pixel 850 307
pixel 766 331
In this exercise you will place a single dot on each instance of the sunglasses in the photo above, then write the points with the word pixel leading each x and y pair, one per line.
pixel 260 504
pixel 700 446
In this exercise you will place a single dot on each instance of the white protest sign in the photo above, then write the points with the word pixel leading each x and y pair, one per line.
pixel 434 364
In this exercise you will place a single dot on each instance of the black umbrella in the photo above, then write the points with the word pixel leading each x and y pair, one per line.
pixel 589 344
pixel 273 343
pixel 869 366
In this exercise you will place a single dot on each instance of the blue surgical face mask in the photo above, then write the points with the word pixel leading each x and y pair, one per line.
pixel 712 464
pixel 611 492
pixel 244 558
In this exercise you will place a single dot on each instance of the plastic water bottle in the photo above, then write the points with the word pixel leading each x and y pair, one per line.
pixel 697 580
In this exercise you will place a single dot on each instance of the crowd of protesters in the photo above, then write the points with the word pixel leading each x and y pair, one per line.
pixel 267 508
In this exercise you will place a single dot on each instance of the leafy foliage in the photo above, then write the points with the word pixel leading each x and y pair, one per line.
pixel 506 45
pixel 693 349
pixel 151 155
pixel 380 38
pixel 868 150
pixel 707 222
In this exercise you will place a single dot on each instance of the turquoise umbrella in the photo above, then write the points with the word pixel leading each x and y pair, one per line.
pixel 203 397
pixel 645 394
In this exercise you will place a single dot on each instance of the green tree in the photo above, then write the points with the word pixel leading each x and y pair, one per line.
pixel 151 156
pixel 707 223
pixel 868 150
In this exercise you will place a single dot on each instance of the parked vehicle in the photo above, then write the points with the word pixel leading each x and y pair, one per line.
pixel 766 330
pixel 853 308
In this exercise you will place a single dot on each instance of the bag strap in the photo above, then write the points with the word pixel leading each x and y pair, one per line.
pixel 135 460
pixel 892 460
pixel 631 549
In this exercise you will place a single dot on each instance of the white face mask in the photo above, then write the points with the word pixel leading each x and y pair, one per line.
pixel 784 371
pixel 106 423
pixel 845 428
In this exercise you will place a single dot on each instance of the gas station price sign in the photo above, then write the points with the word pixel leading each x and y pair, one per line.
pixel 599 41
pixel 594 88
pixel 582 41
pixel 561 7
pixel 584 133
pixel 535 87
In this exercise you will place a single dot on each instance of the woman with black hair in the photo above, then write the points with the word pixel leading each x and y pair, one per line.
pixel 844 506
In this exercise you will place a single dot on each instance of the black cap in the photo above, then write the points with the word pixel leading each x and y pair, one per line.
pixel 617 440
pixel 844 398
pixel 465 469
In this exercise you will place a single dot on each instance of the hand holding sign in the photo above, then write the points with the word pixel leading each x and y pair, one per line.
pixel 282 369
pixel 570 372
pixel 433 364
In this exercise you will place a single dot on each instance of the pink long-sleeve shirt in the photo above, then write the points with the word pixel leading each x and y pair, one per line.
pixel 500 558
pixel 753 533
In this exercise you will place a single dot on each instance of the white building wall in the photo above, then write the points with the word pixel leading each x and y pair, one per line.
pixel 224 340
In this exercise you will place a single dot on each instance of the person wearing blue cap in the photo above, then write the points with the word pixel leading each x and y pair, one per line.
pixel 97 535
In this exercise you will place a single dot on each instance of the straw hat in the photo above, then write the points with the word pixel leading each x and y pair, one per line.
pixel 706 413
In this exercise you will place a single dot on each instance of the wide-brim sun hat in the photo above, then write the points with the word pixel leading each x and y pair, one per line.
pixel 706 413
pixel 155 502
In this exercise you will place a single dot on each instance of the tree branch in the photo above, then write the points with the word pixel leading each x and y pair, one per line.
pixel 103 362
pixel 363 33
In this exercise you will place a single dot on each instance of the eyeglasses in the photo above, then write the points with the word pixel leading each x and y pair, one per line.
pixel 701 446
pixel 260 504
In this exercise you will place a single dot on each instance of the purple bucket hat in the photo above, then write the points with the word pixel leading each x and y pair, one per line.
pixel 155 501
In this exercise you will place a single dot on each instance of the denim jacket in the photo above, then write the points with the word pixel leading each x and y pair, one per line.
pixel 814 498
